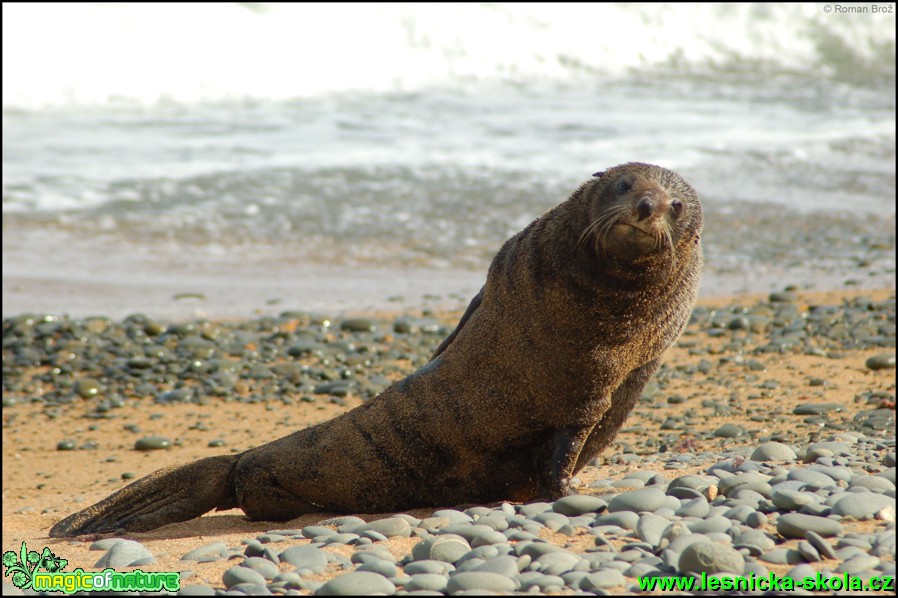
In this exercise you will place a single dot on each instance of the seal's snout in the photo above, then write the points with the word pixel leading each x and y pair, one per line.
pixel 645 207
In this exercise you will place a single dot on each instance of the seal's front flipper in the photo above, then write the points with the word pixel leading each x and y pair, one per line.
pixel 623 399
pixel 472 307
pixel 555 475
pixel 167 496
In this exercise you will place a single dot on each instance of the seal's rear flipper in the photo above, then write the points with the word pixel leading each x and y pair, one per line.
pixel 167 496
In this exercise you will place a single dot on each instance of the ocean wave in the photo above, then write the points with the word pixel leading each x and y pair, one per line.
pixel 144 54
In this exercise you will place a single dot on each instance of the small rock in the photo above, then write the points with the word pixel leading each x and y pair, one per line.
pixel 480 580
pixel 711 557
pixel 213 549
pixel 358 325
pixel 390 527
pixel 729 431
pixel 578 504
pixel 645 499
pixel 152 443
pixel 796 525
pixel 773 451
pixel 863 505
pixel 123 553
pixel 239 575
pixel 305 557
pixel 357 583
pixel 881 362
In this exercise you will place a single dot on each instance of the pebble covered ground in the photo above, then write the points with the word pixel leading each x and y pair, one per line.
pixel 764 444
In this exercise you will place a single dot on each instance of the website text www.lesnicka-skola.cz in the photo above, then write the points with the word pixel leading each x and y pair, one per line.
pixel 771 582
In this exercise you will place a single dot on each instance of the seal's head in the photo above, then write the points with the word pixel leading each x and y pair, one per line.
pixel 639 214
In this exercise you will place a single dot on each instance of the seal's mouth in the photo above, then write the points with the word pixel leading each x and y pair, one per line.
pixel 639 238
pixel 648 233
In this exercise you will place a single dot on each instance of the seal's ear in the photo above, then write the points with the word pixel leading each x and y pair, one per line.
pixel 599 173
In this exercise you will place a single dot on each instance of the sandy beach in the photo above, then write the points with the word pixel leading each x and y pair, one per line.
pixel 42 484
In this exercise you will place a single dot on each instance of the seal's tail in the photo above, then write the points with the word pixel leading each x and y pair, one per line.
pixel 166 496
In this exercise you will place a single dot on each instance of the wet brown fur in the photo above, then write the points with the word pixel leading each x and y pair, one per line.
pixel 536 380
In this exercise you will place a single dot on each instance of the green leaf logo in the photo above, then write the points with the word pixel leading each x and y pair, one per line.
pixel 23 566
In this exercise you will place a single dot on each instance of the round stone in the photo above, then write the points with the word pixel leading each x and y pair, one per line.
pixel 773 451
pixel 89 387
pixel 545 584
pixel 792 500
pixel 427 581
pixel 756 519
pixel 694 507
pixel 488 538
pixel 317 531
pixel 645 499
pixel 357 583
pixel 449 549
pixel 262 566
pixel 858 564
pixel 812 479
pixel 623 519
pixel 710 525
pixel 213 549
pixel 799 572
pixel 782 297
pixel 873 483
pixel 152 443
pixel 863 505
pixel 838 448
pixel 194 589
pixel 480 580
pixel 456 517
pixel 651 527
pixel 105 543
pixel 823 547
pixel 679 543
pixel 428 566
pixel 238 575
pixel 123 553
pixel 381 567
pixel 782 556
pixel 751 480
pixel 808 551
pixel 711 557
pixel 756 538
pixel 368 554
pixel 578 504
pixel 602 579
pixel 390 527
pixel 506 565
pixel 693 481
pixel 817 408
pixel 729 431
pixel 556 563
pixel 881 362
pixel 305 557
pixel 358 325
pixel 796 525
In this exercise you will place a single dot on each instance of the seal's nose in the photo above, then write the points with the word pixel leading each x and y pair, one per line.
pixel 645 207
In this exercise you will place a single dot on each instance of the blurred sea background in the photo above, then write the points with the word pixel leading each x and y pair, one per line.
pixel 239 158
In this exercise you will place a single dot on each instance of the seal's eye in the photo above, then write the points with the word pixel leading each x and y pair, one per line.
pixel 623 185
pixel 677 207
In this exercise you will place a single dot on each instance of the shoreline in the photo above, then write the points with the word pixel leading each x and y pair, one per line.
pixel 80 277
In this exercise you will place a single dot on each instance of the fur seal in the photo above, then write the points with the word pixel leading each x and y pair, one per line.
pixel 535 381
